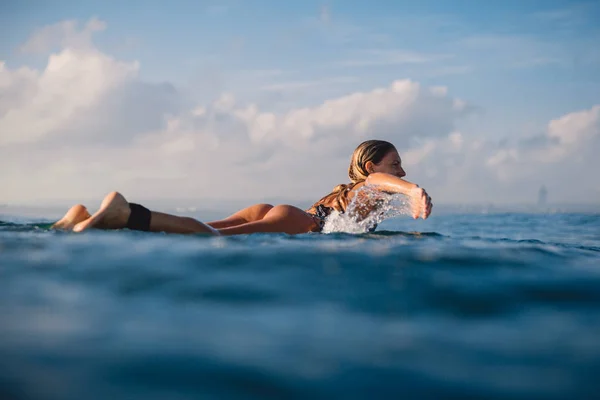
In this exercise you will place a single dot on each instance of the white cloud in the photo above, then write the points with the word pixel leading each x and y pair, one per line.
pixel 402 111
pixel 387 57
pixel 451 70
pixel 514 51
pixel 569 18
pixel 64 34
pixel 562 157
pixel 414 157
pixel 503 156
pixel 570 135
pixel 36 105
pixel 472 167
pixel 90 125
pixel 16 87
pixel 87 124
pixel 576 128
pixel 308 84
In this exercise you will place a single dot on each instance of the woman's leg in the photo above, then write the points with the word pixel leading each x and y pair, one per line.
pixel 75 215
pixel 279 219
pixel 115 211
pixel 248 214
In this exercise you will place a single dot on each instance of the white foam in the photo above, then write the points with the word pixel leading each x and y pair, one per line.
pixel 392 205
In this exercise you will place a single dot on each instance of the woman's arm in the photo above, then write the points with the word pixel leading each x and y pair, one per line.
pixel 420 201
pixel 390 183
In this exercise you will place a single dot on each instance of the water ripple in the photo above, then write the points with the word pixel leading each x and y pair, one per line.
pixel 467 307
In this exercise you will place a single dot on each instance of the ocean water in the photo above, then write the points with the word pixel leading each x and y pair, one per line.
pixel 469 305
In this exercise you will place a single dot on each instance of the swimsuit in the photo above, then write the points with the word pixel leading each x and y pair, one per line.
pixel 320 214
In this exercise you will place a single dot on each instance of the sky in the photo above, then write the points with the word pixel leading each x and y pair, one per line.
pixel 205 101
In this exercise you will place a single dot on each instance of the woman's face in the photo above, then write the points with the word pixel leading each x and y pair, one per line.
pixel 390 164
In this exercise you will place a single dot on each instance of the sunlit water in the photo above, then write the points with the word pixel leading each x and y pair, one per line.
pixel 458 306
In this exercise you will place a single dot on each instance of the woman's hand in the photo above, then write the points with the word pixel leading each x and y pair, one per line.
pixel 420 203
pixel 419 199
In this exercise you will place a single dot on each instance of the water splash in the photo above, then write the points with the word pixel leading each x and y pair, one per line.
pixel 389 206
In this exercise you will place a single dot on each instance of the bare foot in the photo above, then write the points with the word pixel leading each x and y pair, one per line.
pixel 113 214
pixel 75 215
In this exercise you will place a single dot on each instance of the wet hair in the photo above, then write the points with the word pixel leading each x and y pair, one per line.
pixel 370 150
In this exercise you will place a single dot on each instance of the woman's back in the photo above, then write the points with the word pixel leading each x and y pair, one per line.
pixel 338 199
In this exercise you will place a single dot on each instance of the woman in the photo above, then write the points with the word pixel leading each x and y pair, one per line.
pixel 374 163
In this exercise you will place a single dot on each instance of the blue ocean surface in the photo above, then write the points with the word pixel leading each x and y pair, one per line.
pixel 462 305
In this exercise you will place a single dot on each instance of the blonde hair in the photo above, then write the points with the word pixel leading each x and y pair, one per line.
pixel 370 150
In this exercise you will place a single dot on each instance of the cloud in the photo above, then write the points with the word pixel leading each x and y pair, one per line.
pixel 577 128
pixel 514 51
pixel 451 70
pixel 570 135
pixel 402 111
pixel 472 167
pixel 37 105
pixel 308 84
pixel 88 124
pixel 16 87
pixel 561 157
pixel 566 19
pixel 386 57
pixel 65 34
pixel 339 30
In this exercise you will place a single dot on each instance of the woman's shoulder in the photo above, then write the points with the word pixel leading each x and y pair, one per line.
pixel 338 199
pixel 352 189
pixel 356 186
